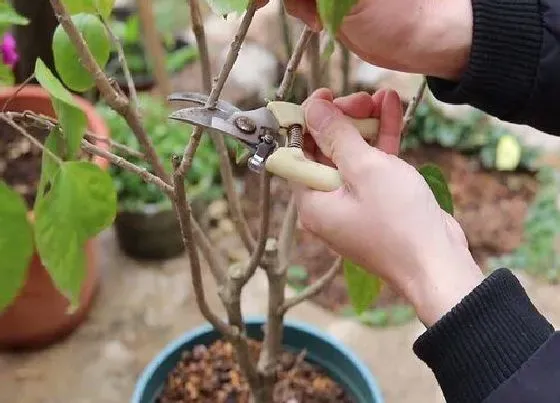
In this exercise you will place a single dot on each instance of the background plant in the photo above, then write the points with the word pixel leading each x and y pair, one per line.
pixel 77 200
pixel 8 18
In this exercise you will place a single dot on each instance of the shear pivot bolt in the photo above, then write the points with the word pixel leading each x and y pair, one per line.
pixel 246 125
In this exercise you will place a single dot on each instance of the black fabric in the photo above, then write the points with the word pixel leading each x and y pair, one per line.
pixel 483 340
pixel 514 67
pixel 537 381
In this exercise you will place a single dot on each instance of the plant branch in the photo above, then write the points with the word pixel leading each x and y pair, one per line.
pixel 314 288
pixel 345 70
pixel 226 171
pixel 114 99
pixel 117 146
pixel 286 31
pixel 286 237
pixel 294 62
pixel 124 65
pixel 124 164
pixel 31 139
pixel 17 91
pixel 183 211
pixel 413 105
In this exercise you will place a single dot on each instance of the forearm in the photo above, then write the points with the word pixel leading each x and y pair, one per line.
pixel 484 339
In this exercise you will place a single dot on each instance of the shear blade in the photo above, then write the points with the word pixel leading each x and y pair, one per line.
pixel 202 117
pixel 201 99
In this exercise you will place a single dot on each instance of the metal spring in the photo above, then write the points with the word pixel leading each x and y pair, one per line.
pixel 296 136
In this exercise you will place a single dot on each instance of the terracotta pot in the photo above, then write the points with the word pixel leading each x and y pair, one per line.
pixel 38 316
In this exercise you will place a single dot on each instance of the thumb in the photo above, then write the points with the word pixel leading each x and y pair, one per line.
pixel 337 137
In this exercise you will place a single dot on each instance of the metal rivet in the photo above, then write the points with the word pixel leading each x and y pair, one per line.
pixel 246 125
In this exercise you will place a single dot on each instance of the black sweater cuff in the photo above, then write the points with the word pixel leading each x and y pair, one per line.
pixel 505 53
pixel 483 340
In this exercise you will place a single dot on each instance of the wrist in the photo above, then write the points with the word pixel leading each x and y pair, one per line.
pixel 443 38
pixel 441 284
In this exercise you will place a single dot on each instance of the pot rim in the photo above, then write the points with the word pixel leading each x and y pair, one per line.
pixel 178 343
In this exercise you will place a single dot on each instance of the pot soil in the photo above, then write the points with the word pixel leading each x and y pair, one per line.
pixel 38 316
pixel 489 205
pixel 200 367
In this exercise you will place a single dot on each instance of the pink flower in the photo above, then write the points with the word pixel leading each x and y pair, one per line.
pixel 8 50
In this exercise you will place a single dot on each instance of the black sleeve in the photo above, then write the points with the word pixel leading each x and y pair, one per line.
pixel 484 340
pixel 514 67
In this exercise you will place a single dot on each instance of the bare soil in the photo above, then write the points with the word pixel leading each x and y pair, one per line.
pixel 489 205
pixel 211 374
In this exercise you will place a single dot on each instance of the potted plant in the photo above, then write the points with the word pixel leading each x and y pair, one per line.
pixel 255 365
pixel 33 311
pixel 126 26
pixel 146 225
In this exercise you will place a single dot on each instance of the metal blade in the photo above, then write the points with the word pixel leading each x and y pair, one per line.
pixel 201 99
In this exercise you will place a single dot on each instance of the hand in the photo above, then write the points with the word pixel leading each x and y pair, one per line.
pixel 385 217
pixel 416 36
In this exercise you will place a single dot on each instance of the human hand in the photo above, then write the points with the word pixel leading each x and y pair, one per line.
pixel 416 36
pixel 385 217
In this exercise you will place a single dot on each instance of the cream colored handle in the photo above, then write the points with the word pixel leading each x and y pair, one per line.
pixel 288 114
pixel 290 163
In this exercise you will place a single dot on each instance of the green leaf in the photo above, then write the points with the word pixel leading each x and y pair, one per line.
pixel 375 317
pixel 328 51
pixel 49 167
pixel 6 75
pixel 104 7
pixel 66 59
pixel 80 204
pixel 16 244
pixel 508 153
pixel 332 13
pixel 437 183
pixel 9 16
pixel 224 7
pixel 71 118
pixel 241 153
pixel 363 287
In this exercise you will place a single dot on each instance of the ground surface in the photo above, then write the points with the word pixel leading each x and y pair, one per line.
pixel 141 307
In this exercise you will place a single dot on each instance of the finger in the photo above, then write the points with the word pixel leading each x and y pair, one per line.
pixel 377 101
pixel 359 105
pixel 336 137
pixel 305 10
pixel 389 136
pixel 321 93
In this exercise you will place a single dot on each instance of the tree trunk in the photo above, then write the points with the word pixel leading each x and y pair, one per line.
pixel 34 40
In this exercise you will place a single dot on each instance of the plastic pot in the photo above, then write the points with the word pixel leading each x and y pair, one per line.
pixel 151 233
pixel 338 362
pixel 38 316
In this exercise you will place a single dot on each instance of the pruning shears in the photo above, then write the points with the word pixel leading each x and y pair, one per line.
pixel 273 134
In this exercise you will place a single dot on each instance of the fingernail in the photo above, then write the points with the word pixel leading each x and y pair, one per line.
pixel 318 113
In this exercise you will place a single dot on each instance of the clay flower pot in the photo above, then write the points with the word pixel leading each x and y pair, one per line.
pixel 38 316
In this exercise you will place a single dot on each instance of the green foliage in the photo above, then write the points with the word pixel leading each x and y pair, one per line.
pixel 66 59
pixel 363 287
pixel 393 315
pixel 9 16
pixel 80 204
pixel 473 135
pixel 297 277
pixel 437 183
pixel 169 138
pixel 224 7
pixel 538 255
pixel 72 119
pixel 332 13
pixel 16 244
pixel 103 7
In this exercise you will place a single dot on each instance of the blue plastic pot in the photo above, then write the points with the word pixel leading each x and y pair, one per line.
pixel 329 354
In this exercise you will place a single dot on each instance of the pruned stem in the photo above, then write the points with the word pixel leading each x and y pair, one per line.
pixel 314 56
pixel 295 60
pixel 345 70
pixel 286 31
pixel 235 208
pixel 411 109
pixel 314 289
pixel 114 99
pixel 286 237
